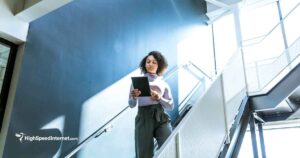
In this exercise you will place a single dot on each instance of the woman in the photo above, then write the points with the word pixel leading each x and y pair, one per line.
pixel 151 120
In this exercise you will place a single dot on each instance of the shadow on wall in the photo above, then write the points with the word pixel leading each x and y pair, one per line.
pixel 99 109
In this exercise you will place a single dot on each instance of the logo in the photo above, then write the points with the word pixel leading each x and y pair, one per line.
pixel 24 137
pixel 20 136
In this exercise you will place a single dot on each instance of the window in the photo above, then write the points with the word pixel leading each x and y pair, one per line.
pixel 261 26
pixel 7 59
pixel 291 22
pixel 225 40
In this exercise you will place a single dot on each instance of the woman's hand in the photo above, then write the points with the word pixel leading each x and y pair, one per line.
pixel 135 93
pixel 155 95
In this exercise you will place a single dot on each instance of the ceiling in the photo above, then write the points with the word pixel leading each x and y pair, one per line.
pixel 218 8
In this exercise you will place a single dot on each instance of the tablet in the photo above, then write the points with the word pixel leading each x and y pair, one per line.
pixel 142 84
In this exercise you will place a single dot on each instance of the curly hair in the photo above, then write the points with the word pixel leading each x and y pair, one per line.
pixel 161 61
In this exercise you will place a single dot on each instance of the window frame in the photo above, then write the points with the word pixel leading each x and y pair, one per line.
pixel 7 76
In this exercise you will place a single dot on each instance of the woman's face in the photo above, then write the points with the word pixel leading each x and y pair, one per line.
pixel 151 64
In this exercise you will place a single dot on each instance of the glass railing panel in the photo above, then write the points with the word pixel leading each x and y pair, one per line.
pixel 203 131
pixel 252 78
pixel 262 73
pixel 197 71
pixel 292 25
pixel 171 149
pixel 233 78
pixel 206 127
pixel 205 82
pixel 118 142
pixel 184 81
pixel 269 68
pixel 287 6
pixel 271 46
pixel 294 49
pixel 234 86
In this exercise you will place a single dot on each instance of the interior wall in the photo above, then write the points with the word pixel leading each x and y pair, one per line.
pixel 80 50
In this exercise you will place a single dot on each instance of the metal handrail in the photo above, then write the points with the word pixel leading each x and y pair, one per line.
pixel 261 90
pixel 205 74
pixel 172 72
pixel 267 34
pixel 275 60
pixel 96 134
pixel 104 128
pixel 257 62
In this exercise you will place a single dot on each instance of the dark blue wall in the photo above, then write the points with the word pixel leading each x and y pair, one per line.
pixel 82 48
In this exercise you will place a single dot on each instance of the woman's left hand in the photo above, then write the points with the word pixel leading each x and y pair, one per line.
pixel 155 95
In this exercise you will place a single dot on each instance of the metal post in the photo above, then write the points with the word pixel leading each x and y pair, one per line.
pixel 177 139
pixel 214 49
pixel 262 141
pixel 257 76
pixel 253 137
pixel 244 125
pixel 239 39
pixel 283 33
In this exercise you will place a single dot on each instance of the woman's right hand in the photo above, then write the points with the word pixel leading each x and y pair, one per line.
pixel 135 93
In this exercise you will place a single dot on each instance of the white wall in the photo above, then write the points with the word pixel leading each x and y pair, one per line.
pixel 14 27
pixel 11 27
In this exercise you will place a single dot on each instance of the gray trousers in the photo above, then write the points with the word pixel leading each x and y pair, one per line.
pixel 150 122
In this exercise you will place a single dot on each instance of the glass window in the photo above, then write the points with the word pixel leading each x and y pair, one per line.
pixel 279 142
pixel 292 26
pixel 7 59
pixel 4 53
pixel 246 150
pixel 282 142
pixel 264 46
pixel 268 48
pixel 287 5
pixel 258 21
pixel 197 47
pixel 225 40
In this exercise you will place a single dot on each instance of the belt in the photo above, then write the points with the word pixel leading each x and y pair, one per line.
pixel 156 111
